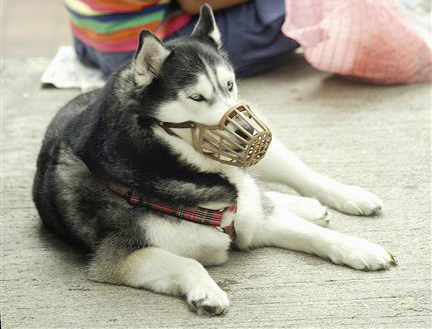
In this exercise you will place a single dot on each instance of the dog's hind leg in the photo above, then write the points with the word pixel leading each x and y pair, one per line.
pixel 291 232
pixel 307 208
pixel 281 166
pixel 160 271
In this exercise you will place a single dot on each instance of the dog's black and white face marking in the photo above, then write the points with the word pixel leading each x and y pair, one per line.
pixel 193 74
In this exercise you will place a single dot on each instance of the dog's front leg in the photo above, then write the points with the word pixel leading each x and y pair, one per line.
pixel 281 166
pixel 306 208
pixel 284 230
pixel 160 271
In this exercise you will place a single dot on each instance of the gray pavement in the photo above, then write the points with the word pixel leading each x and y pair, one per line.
pixel 378 137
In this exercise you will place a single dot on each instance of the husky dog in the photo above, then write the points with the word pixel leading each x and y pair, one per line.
pixel 112 136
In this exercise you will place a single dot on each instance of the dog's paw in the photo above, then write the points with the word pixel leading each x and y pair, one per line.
pixel 208 300
pixel 361 255
pixel 307 208
pixel 313 211
pixel 354 200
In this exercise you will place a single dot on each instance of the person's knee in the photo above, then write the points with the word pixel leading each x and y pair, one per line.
pixel 109 62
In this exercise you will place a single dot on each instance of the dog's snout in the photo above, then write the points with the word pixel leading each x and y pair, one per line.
pixel 247 128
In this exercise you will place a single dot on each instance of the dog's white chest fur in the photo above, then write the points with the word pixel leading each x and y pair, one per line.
pixel 204 243
pixel 208 244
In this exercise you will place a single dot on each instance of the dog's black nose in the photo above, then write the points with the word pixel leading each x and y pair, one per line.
pixel 246 127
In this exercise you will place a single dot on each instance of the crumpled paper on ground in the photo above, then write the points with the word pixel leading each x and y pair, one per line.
pixel 371 40
pixel 66 71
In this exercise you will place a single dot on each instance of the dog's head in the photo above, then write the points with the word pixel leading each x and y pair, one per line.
pixel 186 79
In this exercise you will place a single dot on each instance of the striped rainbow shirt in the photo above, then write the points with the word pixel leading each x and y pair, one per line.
pixel 114 25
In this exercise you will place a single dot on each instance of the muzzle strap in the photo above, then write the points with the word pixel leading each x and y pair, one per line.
pixel 167 125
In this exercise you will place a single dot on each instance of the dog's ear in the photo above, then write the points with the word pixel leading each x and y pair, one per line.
pixel 206 28
pixel 149 57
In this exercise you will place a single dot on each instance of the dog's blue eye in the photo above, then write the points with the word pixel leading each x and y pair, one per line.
pixel 230 85
pixel 197 97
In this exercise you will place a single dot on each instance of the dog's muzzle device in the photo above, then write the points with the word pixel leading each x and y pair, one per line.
pixel 239 139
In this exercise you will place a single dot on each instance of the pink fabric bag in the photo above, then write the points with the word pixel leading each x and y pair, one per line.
pixel 371 40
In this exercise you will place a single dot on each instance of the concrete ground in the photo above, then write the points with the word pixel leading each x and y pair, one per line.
pixel 374 136
pixel 33 28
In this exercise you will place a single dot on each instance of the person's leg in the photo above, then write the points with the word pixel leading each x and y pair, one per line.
pixel 106 62
pixel 251 35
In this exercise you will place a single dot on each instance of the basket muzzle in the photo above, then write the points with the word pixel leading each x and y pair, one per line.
pixel 240 138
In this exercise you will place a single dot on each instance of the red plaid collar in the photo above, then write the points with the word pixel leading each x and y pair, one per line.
pixel 192 214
